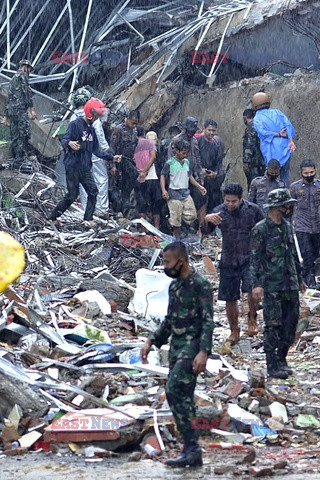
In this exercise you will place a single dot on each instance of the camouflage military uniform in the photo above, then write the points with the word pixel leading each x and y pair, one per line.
pixel 252 154
pixel 260 187
pixel 19 100
pixel 276 268
pixel 190 323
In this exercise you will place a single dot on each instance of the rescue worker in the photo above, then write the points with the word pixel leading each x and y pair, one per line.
pixel 189 322
pixel 17 114
pixel 235 218
pixel 190 127
pixel 307 218
pixel 81 142
pixel 261 186
pixel 275 132
pixel 253 163
pixel 99 166
pixel 211 162
pixel 123 143
pixel 276 275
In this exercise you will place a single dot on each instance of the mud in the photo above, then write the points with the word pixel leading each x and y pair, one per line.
pixel 44 466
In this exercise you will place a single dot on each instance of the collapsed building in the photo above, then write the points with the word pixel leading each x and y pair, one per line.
pixel 171 60
pixel 73 325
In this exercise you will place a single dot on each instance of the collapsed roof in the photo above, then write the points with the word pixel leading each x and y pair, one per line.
pixel 126 50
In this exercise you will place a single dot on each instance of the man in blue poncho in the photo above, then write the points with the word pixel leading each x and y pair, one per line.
pixel 275 132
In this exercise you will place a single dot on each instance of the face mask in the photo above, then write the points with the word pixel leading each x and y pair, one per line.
pixel 173 272
pixel 191 132
pixel 309 179
pixel 287 210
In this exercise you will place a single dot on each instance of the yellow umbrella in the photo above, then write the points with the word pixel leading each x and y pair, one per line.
pixel 12 260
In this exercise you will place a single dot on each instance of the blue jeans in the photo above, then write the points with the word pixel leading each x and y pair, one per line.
pixel 285 173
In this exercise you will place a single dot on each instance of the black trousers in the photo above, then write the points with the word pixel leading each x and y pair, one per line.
pixel 214 194
pixel 309 244
pixel 121 185
pixel 75 176
pixel 127 181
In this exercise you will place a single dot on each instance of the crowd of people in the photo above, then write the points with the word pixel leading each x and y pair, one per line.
pixel 180 180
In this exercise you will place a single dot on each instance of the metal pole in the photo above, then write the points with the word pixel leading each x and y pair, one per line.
pixel 81 45
pixel 8 33
pixel 71 25
pixel 112 19
pixel 26 32
pixel 37 92
pixel 3 26
pixel 75 71
pixel 49 35
pixel 130 26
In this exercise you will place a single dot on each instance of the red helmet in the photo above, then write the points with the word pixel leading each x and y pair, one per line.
pixel 94 106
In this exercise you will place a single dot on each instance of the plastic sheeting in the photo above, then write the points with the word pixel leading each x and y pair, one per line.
pixel 152 294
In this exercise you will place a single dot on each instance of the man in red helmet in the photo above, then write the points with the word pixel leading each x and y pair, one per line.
pixel 80 142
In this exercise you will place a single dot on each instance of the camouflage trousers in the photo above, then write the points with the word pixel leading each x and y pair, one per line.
pixel 255 171
pixel 179 391
pixel 281 315
pixel 20 135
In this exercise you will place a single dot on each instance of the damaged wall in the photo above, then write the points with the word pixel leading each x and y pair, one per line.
pixel 297 96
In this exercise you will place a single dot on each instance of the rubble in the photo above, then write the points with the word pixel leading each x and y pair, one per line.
pixel 71 330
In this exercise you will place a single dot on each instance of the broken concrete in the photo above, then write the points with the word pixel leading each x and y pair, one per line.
pixel 19 393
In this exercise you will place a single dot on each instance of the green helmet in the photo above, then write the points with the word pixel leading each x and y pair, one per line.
pixel 24 61
pixel 81 96
pixel 279 197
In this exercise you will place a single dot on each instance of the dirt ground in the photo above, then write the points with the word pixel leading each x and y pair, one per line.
pixel 46 465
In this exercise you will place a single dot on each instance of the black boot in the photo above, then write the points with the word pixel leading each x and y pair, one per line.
pixel 284 366
pixel 191 456
pixel 282 353
pixel 273 367
pixel 16 164
pixel 311 281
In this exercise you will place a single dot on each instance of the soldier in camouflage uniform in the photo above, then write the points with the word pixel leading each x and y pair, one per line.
pixel 253 162
pixel 17 112
pixel 276 273
pixel 189 321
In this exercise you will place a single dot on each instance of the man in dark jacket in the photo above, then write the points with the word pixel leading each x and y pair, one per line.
pixel 81 142
pixel 235 218
pixel 211 162
pixel 307 218
pixel 123 143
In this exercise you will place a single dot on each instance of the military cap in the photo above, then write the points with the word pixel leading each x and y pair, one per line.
pixel 278 197
pixel 191 123
pixel 24 61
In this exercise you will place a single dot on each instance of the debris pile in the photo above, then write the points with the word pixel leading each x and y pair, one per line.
pixel 71 330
